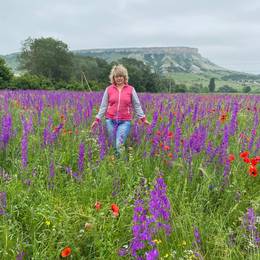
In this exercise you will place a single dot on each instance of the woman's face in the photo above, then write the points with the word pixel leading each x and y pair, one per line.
pixel 119 79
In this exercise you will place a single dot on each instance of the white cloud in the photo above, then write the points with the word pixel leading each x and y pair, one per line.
pixel 226 32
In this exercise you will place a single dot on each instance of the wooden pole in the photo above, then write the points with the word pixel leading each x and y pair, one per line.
pixel 86 81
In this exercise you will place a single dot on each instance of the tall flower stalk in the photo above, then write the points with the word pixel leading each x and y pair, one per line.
pixel 147 223
pixel 81 157
pixel 6 131
pixel 24 142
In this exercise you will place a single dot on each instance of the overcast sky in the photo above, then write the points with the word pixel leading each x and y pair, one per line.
pixel 227 32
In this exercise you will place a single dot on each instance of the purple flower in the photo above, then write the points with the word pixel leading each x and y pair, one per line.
pixel 122 251
pixel 197 236
pixel 177 139
pixel 249 223
pixel 24 148
pixel 20 256
pixel 233 121
pixel 152 254
pixel 68 171
pixel 45 136
pixel 27 182
pixel 6 132
pixel 159 204
pixel 24 143
pixel 140 228
pixel 250 220
pixel 81 157
pixel 77 176
pixel 145 226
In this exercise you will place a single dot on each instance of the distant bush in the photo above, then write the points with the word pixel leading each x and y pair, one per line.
pixel 28 81
pixel 240 76
pixel 196 88
pixel 227 89
pixel 180 88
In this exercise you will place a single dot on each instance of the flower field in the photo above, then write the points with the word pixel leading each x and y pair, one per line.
pixel 186 187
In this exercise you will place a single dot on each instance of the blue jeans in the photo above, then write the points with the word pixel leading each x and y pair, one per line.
pixel 118 130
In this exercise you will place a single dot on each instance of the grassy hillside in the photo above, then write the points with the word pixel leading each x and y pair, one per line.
pixel 191 79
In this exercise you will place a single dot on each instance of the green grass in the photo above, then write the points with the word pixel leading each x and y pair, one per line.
pixel 190 79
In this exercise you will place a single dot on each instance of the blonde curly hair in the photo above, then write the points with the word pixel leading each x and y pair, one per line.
pixel 118 70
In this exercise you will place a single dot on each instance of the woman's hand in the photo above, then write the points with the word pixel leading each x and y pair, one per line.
pixel 146 122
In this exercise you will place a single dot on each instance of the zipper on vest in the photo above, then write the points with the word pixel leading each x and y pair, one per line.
pixel 118 104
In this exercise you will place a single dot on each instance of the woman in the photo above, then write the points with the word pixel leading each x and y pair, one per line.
pixel 118 102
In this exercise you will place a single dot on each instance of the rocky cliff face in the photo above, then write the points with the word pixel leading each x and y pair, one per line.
pixel 144 50
pixel 161 59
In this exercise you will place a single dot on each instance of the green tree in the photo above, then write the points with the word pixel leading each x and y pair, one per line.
pixel 246 89
pixel 5 74
pixel 47 57
pixel 94 69
pixel 212 85
pixel 164 84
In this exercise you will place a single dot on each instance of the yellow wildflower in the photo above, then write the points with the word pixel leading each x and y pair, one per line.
pixel 156 241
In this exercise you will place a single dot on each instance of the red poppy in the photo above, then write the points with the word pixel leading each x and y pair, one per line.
pixel 231 157
pixel 158 133
pixel 97 206
pixel 115 210
pixel 65 252
pixel 170 134
pixel 244 154
pixel 257 158
pixel 246 160
pixel 170 155
pixel 254 161
pixel 166 148
pixel 55 130
pixel 253 171
pixel 223 117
